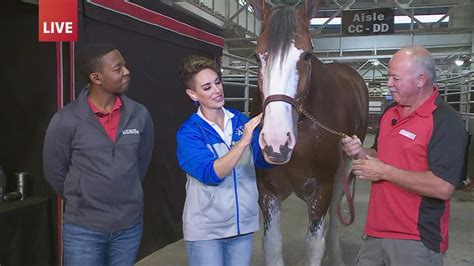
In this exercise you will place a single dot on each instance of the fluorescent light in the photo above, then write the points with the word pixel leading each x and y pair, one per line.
pixel 249 7
pixel 398 19
pixel 320 21
pixel 421 18
pixel 459 62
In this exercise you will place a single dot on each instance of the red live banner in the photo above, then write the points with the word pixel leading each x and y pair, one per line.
pixel 57 20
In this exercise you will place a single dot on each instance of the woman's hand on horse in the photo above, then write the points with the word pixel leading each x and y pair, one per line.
pixel 352 146
pixel 249 128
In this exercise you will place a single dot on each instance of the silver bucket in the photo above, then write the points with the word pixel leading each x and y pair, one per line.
pixel 22 184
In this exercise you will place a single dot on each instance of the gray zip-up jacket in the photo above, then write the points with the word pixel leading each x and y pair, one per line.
pixel 100 180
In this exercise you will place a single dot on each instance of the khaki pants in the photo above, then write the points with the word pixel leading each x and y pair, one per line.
pixel 396 252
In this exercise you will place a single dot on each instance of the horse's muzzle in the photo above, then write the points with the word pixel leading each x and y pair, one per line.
pixel 281 157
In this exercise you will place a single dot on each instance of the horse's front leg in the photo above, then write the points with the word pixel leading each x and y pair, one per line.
pixel 317 199
pixel 272 241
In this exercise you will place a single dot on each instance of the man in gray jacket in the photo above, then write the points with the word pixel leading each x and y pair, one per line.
pixel 96 152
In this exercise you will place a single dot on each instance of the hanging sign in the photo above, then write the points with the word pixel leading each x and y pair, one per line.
pixel 368 22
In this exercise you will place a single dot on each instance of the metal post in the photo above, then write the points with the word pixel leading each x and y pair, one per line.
pixel 241 80
pixel 246 17
pixel 468 100
pixel 247 89
pixel 238 17
pixel 227 9
pixel 445 91
pixel 462 98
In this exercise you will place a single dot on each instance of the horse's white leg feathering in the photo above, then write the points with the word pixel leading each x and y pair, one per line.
pixel 315 245
pixel 272 241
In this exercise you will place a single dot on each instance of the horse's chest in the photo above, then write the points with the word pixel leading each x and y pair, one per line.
pixel 314 147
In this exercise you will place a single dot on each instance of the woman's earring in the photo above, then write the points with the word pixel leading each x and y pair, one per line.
pixel 196 103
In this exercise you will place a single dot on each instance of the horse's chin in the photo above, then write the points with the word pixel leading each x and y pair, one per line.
pixel 273 160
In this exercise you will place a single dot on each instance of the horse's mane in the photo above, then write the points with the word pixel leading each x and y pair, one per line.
pixel 281 31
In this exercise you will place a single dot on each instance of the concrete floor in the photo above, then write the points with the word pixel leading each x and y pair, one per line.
pixel 294 224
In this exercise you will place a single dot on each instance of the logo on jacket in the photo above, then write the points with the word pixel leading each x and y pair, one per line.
pixel 239 131
pixel 130 131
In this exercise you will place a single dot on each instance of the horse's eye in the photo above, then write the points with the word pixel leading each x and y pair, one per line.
pixel 257 58
pixel 308 56
pixel 261 58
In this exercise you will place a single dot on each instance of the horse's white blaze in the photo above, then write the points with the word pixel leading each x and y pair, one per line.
pixel 279 78
pixel 278 131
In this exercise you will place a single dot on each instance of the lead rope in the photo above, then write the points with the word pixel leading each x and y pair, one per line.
pixel 346 183
pixel 321 125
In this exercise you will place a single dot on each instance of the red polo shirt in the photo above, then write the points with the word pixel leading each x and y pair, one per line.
pixel 430 138
pixel 110 120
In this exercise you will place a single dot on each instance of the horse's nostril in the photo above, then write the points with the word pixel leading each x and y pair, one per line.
pixel 289 143
pixel 262 141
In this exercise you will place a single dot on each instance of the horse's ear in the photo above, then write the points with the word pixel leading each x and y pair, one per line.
pixel 257 6
pixel 311 8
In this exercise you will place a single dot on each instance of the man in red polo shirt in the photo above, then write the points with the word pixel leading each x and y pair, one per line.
pixel 416 163
pixel 96 152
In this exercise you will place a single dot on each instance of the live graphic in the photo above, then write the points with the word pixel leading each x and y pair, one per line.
pixel 57 20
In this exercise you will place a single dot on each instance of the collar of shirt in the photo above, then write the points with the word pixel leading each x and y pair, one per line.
pixel 225 134
pixel 98 112
pixel 425 109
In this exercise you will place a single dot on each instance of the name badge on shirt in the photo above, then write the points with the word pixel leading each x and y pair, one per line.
pixel 407 134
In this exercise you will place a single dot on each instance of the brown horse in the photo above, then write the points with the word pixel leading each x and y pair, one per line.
pixel 297 89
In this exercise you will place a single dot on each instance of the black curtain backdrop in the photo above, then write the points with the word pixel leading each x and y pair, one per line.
pixel 27 93
pixel 28 99
pixel 27 102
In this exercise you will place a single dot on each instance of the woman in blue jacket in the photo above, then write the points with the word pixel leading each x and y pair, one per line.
pixel 218 149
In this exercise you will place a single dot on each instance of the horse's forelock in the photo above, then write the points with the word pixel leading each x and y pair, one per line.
pixel 281 32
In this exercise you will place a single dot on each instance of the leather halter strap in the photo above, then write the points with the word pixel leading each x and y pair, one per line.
pixel 280 98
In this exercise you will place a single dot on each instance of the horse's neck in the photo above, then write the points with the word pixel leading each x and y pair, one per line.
pixel 322 88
